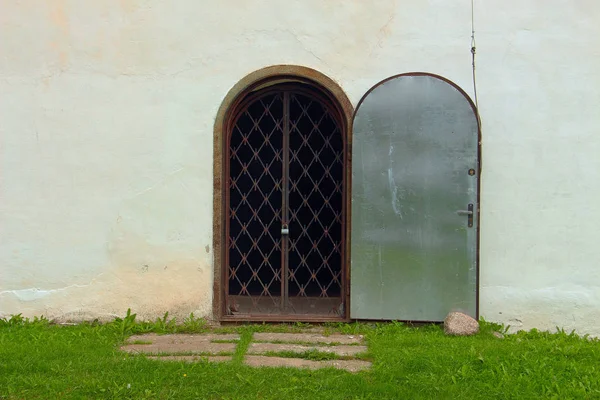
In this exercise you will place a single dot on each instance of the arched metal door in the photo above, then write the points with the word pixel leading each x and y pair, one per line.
pixel 415 179
pixel 285 207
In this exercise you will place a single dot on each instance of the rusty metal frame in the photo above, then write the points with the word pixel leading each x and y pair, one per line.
pixel 252 83
pixel 287 90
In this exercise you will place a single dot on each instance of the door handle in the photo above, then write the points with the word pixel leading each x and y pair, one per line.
pixel 469 213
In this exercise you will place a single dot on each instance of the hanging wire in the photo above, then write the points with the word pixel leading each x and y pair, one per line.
pixel 473 50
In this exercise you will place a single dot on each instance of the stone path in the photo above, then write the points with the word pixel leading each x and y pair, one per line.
pixel 295 350
pixel 261 348
pixel 348 365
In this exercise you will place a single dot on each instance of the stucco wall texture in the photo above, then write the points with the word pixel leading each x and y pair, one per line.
pixel 106 122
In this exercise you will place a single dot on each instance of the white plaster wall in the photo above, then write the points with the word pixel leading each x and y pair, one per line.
pixel 539 92
pixel 106 118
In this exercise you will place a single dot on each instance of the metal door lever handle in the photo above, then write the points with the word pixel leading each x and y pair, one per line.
pixel 464 212
pixel 469 213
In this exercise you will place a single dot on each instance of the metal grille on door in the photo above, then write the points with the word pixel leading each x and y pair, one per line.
pixel 285 205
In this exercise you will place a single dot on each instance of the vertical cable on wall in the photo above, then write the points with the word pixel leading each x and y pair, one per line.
pixel 473 50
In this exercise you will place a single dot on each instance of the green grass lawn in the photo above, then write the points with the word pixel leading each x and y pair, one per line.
pixel 45 361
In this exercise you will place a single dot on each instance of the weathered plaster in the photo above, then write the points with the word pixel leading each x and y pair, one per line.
pixel 106 121
pixel 538 79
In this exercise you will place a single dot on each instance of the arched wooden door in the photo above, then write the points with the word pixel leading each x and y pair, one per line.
pixel 284 204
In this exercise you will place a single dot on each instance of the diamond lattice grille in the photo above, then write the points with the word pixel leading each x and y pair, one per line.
pixel 286 168
pixel 315 200
pixel 255 200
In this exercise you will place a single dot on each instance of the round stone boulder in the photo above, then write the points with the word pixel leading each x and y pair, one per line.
pixel 459 324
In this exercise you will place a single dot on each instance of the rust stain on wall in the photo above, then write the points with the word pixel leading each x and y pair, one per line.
pixel 60 20
pixel 128 6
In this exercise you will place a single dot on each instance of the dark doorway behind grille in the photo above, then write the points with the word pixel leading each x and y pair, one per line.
pixel 286 170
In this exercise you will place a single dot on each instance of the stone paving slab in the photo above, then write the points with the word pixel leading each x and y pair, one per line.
pixel 202 347
pixel 192 358
pixel 181 338
pixel 307 338
pixel 261 348
pixel 196 347
pixel 348 365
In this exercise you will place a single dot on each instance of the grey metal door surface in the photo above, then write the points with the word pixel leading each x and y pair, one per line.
pixel 415 174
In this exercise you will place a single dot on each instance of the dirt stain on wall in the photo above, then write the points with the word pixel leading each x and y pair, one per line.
pixel 60 21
